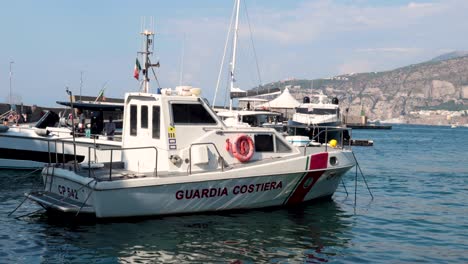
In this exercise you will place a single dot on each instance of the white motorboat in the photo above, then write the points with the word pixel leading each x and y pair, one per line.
pixel 252 118
pixel 179 157
pixel 31 147
pixel 315 118
pixel 318 112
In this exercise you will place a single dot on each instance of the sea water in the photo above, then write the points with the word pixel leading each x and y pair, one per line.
pixel 417 174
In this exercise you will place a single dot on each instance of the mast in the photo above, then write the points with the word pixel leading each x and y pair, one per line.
pixel 9 95
pixel 234 49
pixel 81 83
pixel 148 50
pixel 182 62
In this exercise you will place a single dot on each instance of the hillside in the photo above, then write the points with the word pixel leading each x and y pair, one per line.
pixel 396 94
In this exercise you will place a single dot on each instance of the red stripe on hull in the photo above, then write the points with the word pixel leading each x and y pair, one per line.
pixel 317 161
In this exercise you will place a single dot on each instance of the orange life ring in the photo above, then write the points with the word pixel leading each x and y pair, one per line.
pixel 243 148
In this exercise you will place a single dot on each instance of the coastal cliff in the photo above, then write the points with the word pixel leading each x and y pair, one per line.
pixel 433 92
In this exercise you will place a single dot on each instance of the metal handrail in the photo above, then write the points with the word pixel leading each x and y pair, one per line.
pixel 155 173
pixel 325 129
pixel 94 146
pixel 203 143
pixel 331 130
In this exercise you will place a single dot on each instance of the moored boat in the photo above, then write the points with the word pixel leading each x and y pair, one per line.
pixel 179 157
pixel 314 116
pixel 31 147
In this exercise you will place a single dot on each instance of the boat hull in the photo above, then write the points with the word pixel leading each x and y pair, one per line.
pixel 193 197
pixel 24 148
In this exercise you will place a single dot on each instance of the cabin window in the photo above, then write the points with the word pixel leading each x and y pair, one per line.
pixel 144 116
pixel 133 120
pixel 264 143
pixel 281 146
pixel 316 111
pixel 156 122
pixel 191 114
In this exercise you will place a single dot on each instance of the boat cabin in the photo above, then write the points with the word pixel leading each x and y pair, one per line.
pixel 180 133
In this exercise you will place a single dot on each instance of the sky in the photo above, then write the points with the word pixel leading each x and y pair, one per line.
pixel 51 44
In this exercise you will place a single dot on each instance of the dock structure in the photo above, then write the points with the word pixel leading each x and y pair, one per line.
pixel 361 122
pixel 362 142
pixel 368 126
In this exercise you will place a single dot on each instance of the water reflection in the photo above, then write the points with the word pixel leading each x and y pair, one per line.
pixel 307 233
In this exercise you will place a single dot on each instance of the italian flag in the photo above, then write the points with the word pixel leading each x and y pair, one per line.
pixel 136 71
pixel 100 96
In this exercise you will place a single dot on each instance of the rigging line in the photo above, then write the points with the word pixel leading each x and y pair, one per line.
pixel 224 56
pixel 355 189
pixel 245 55
pixel 253 45
pixel 228 91
pixel 28 214
pixel 24 200
pixel 362 175
pixel 344 186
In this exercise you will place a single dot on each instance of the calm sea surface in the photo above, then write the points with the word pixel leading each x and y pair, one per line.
pixel 418 175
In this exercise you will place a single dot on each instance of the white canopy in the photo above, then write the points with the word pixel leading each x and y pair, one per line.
pixel 284 100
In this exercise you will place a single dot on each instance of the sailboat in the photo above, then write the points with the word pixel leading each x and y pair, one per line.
pixel 250 116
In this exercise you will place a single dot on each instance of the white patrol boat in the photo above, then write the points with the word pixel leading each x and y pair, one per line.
pixel 178 157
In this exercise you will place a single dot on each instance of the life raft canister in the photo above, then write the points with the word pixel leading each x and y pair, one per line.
pixel 243 148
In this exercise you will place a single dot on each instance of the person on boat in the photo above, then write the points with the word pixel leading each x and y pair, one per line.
pixel 5 121
pixel 97 122
pixel 35 114
pixel 109 129
pixel 81 120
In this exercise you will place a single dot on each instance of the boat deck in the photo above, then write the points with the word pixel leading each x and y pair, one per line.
pixel 118 172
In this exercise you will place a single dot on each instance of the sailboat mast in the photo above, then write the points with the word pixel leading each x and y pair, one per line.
pixel 234 49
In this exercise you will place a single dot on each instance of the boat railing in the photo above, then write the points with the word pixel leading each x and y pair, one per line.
pixel 155 170
pixel 327 129
pixel 220 158
pixel 91 146
pixel 62 141
pixel 323 134
pixel 97 136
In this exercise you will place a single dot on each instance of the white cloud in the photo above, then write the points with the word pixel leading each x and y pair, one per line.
pixel 420 5
pixel 389 36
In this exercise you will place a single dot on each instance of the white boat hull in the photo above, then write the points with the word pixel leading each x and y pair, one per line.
pixel 197 194
pixel 25 148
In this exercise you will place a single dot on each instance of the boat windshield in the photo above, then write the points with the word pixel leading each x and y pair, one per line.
pixel 316 111
pixel 258 120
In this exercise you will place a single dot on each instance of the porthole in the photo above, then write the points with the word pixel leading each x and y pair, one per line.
pixel 333 161
pixel 308 182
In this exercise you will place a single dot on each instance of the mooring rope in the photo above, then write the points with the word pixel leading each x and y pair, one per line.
pixel 363 177
pixel 344 186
